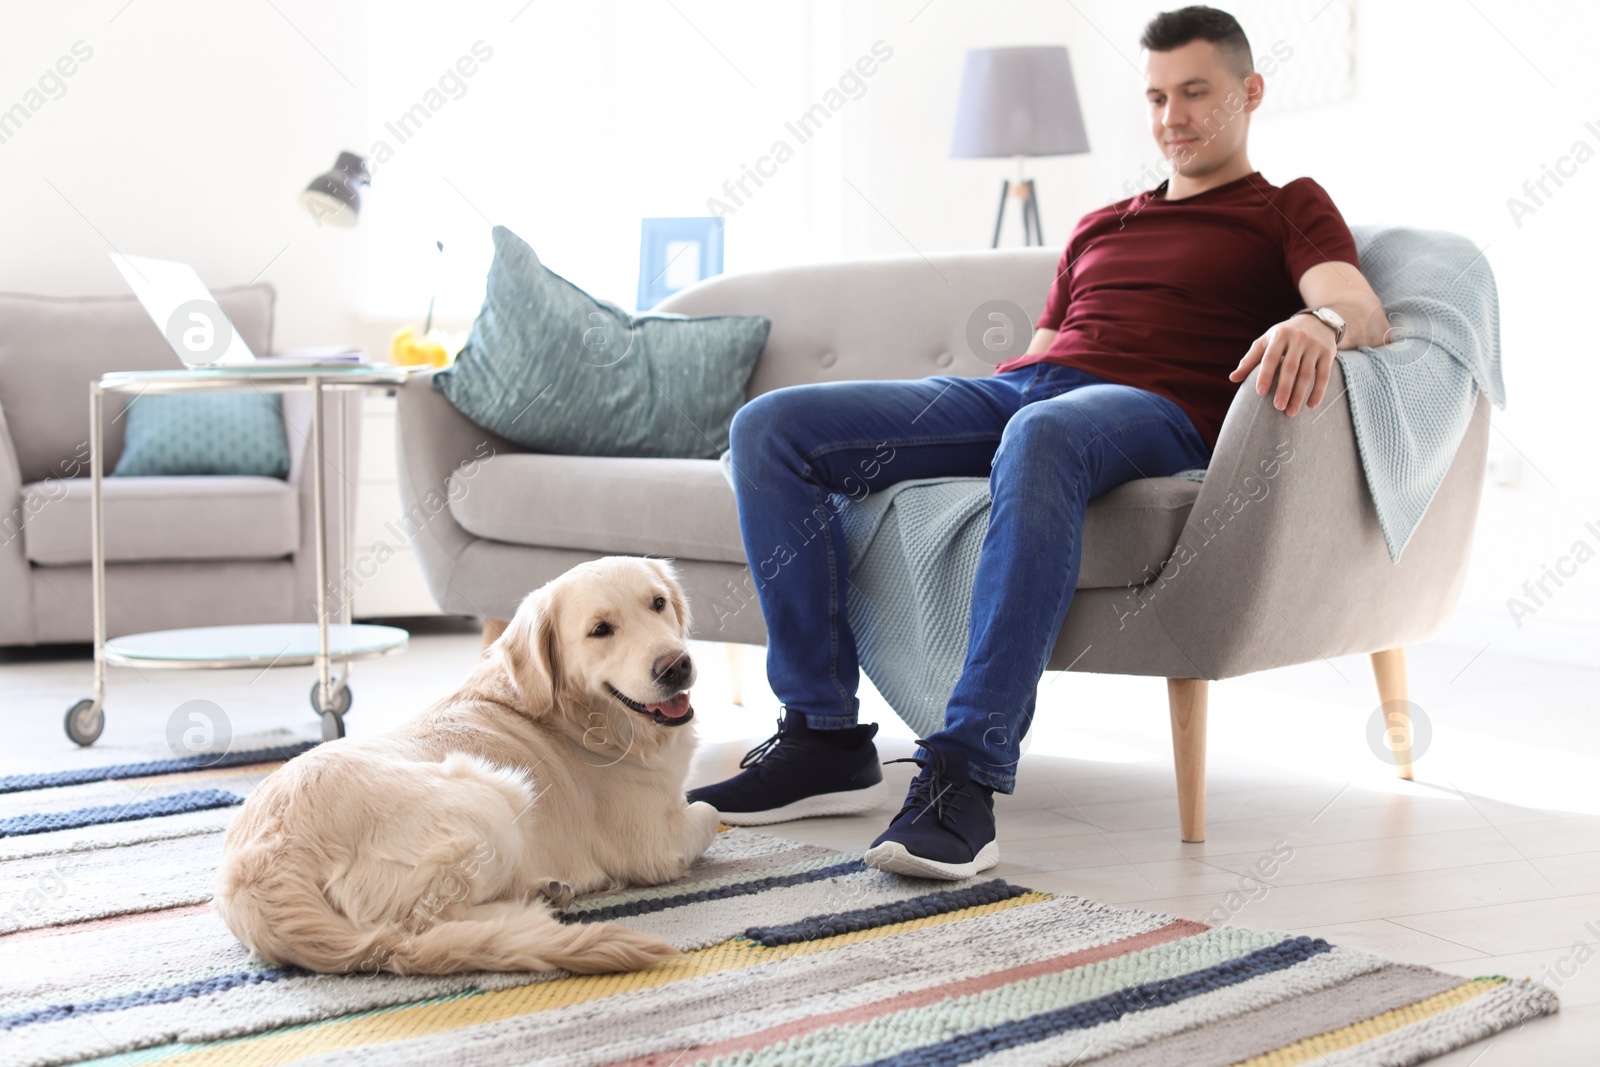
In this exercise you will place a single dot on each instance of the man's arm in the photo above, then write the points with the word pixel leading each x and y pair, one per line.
pixel 1303 345
pixel 1041 342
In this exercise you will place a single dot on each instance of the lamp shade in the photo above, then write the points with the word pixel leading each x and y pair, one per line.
pixel 1018 102
pixel 335 197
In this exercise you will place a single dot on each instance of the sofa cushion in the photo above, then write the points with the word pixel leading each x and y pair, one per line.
pixel 685 508
pixel 162 518
pixel 52 348
pixel 664 507
pixel 555 370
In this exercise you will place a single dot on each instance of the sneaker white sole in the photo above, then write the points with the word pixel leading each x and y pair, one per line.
pixel 850 802
pixel 892 856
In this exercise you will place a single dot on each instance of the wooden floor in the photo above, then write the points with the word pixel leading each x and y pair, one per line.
pixel 1488 863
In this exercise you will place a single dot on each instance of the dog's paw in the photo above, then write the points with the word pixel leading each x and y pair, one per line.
pixel 705 820
pixel 557 894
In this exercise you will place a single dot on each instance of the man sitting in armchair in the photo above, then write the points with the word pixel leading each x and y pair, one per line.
pixel 1161 304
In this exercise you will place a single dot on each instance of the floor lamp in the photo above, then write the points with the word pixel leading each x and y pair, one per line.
pixel 1018 102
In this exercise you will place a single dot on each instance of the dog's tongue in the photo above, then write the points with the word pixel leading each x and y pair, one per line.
pixel 676 708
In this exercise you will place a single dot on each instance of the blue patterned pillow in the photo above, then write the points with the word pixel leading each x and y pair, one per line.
pixel 555 370
pixel 217 433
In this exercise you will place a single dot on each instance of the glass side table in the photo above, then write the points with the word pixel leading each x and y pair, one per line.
pixel 321 644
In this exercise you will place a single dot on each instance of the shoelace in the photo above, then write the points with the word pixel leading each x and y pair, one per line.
pixel 759 753
pixel 930 789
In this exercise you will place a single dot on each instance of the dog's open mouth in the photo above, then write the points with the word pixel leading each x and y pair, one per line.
pixel 673 712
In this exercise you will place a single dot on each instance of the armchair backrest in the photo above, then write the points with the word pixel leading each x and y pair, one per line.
pixel 51 348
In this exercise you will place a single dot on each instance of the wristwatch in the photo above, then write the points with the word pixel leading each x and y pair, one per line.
pixel 1329 316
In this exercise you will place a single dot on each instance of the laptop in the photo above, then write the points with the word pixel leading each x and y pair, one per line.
pixel 185 312
pixel 196 327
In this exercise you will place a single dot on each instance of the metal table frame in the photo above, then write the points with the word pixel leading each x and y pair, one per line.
pixel 90 714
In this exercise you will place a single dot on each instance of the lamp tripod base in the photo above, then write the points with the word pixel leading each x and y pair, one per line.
pixel 1023 190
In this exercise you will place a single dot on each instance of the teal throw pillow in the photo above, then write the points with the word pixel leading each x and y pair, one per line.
pixel 213 433
pixel 556 370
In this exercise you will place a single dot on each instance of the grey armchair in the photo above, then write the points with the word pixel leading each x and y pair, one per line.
pixel 1179 579
pixel 181 551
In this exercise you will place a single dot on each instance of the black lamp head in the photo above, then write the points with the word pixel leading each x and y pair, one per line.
pixel 335 197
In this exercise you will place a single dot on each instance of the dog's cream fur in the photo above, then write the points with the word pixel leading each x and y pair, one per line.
pixel 441 846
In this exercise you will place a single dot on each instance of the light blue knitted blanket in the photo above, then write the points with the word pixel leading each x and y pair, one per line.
pixel 914 546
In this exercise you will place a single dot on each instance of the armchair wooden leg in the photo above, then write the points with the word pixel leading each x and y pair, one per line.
pixel 1389 668
pixel 1186 699
pixel 735 672
pixel 492 629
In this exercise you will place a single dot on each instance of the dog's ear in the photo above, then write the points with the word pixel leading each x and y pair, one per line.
pixel 531 653
pixel 669 574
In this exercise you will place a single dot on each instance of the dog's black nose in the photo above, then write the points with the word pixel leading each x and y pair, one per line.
pixel 672 670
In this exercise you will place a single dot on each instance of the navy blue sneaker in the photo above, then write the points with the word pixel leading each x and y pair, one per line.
pixel 800 773
pixel 946 829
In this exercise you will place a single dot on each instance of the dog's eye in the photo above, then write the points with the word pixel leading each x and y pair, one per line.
pixel 601 629
pixel 658 604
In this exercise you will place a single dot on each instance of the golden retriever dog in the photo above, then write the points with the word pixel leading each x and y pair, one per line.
pixel 448 844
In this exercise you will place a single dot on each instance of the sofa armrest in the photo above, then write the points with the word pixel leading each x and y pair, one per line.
pixel 16 589
pixel 1282 559
pixel 433 441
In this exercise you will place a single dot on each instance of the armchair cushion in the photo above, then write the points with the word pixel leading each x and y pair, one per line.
pixel 160 518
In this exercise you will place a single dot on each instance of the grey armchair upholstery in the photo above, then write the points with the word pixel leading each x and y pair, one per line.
pixel 1275 559
pixel 191 551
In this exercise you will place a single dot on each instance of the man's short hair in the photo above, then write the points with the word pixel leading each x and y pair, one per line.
pixel 1172 30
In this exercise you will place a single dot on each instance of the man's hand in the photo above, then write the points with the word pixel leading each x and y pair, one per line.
pixel 1299 350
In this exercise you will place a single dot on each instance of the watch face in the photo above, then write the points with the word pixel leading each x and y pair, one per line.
pixel 1331 317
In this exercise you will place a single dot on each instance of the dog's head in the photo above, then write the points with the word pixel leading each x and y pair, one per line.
pixel 605 644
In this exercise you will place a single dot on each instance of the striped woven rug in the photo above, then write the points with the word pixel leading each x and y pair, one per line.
pixel 794 954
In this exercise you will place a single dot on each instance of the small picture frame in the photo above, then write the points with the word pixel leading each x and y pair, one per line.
pixel 674 253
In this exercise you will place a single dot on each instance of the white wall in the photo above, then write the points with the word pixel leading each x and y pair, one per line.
pixel 186 135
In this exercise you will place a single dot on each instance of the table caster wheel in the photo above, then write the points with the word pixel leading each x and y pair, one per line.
pixel 332 726
pixel 85 721
pixel 340 703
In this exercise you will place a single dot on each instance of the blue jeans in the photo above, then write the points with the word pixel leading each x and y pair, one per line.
pixel 1049 438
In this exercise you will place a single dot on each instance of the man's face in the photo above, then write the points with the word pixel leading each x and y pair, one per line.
pixel 1198 107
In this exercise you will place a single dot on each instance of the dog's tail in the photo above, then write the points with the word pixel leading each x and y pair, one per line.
pixel 524 939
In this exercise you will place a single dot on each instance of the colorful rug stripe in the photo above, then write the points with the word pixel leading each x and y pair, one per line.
pixel 170 804
pixel 1253 1033
pixel 17 783
pixel 1113 1006
pixel 1314 1048
pixel 922 907
pixel 169 995
pixel 633 908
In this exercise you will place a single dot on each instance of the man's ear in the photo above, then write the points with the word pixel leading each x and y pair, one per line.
pixel 531 655
pixel 669 574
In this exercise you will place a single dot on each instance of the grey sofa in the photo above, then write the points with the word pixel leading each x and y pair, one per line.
pixel 1296 573
pixel 189 551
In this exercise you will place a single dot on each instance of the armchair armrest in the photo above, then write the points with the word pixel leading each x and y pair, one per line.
pixel 433 440
pixel 1282 559
pixel 16 590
